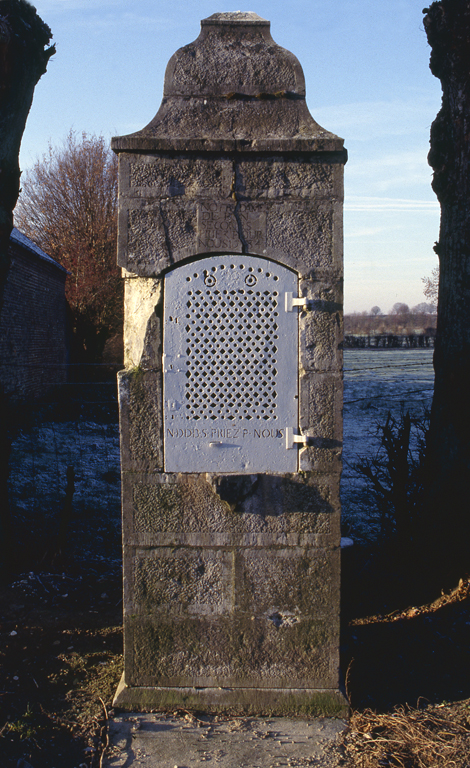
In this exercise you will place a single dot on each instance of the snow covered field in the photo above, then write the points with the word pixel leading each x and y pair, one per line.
pixel 376 382
pixel 79 431
pixel 84 434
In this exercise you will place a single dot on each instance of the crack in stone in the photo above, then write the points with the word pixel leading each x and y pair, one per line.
pixel 167 236
pixel 234 190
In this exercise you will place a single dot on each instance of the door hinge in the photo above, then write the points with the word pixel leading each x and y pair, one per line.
pixel 301 301
pixel 292 439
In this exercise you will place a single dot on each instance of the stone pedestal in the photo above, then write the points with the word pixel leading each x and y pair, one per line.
pixel 230 239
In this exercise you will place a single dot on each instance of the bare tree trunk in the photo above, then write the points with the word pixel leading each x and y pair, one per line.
pixel 24 38
pixel 447 25
pixel 23 59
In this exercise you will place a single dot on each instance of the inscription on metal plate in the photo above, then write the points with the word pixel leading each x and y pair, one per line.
pixel 230 363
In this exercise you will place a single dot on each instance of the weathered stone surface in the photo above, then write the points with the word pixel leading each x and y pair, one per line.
pixel 321 327
pixel 231 579
pixel 190 580
pixel 225 651
pixel 284 584
pixel 180 176
pixel 281 177
pixel 232 83
pixel 156 231
pixel 140 420
pixel 183 504
pixel 306 229
pixel 272 206
pixel 224 741
pixel 287 584
pixel 230 226
pixel 142 323
pixel 221 61
pixel 320 406
pixel 254 702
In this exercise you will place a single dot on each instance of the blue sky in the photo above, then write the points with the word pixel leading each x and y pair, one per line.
pixel 366 65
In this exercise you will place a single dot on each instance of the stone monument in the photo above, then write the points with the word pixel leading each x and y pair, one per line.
pixel 230 240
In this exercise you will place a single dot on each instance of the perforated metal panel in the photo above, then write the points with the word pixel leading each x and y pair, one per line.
pixel 230 366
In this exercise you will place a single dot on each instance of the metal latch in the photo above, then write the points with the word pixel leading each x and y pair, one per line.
pixel 292 439
pixel 302 302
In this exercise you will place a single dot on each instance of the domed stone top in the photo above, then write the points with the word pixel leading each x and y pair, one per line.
pixel 234 54
pixel 232 84
pixel 245 17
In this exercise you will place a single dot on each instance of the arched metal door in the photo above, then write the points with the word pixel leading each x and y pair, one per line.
pixel 230 366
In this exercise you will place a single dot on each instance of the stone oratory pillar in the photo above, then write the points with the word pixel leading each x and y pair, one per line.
pixel 230 240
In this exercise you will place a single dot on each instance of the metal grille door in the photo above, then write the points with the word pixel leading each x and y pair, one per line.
pixel 230 366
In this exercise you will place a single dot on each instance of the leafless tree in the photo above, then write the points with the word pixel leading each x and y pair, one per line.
pixel 431 286
pixel 424 309
pixel 400 309
pixel 68 206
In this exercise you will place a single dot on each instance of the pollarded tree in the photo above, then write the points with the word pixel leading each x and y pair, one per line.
pixel 24 55
pixel 447 25
pixel 68 206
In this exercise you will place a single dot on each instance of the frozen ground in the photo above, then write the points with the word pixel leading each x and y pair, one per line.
pixel 376 382
pixel 82 431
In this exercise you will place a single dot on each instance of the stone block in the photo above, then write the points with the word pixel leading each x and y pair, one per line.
pixel 142 322
pixel 288 584
pixel 305 231
pixel 236 651
pixel 189 505
pixel 188 177
pixel 140 420
pixel 321 327
pixel 320 412
pixel 188 580
pixel 274 177
pixel 155 234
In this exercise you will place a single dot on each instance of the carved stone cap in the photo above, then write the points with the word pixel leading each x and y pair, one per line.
pixel 234 54
pixel 240 17
pixel 232 88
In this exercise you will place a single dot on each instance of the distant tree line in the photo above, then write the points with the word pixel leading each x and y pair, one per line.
pixel 401 328
pixel 400 322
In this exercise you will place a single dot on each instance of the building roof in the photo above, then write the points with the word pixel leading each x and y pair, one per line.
pixel 20 239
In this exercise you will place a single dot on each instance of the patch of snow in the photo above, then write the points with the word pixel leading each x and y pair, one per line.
pixel 21 239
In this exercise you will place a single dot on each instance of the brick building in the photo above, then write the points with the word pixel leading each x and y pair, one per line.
pixel 33 352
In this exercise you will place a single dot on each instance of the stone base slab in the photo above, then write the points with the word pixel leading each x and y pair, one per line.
pixel 272 702
pixel 160 740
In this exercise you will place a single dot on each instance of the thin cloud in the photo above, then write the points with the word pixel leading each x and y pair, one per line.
pixel 106 14
pixel 390 204
pixel 125 21
pixel 363 121
pixel 391 174
pixel 363 232
pixel 54 6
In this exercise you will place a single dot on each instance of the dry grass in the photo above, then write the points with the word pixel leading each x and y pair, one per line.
pixel 457 595
pixel 433 737
pixel 413 654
